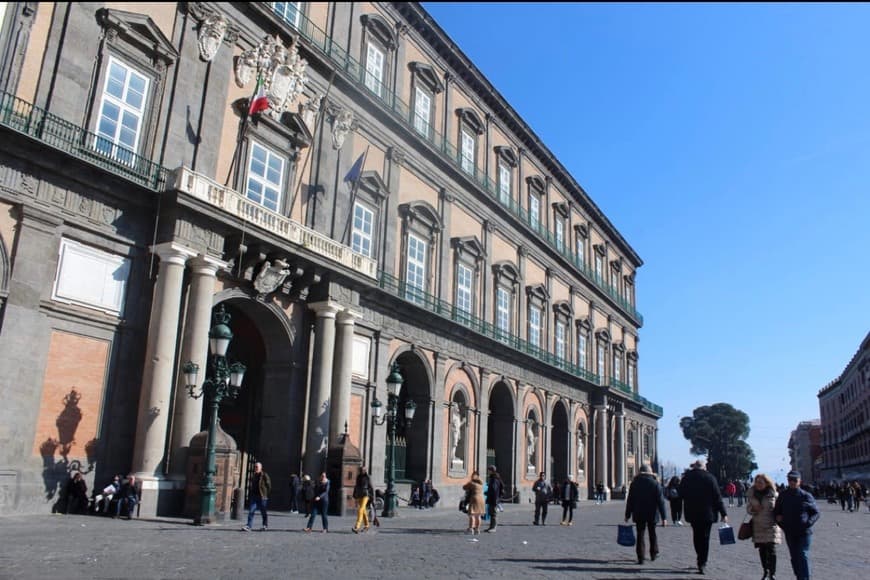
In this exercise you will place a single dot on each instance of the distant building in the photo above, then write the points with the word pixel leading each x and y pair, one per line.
pixel 845 412
pixel 805 449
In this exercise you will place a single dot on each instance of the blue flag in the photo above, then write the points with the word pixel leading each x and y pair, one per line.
pixel 354 174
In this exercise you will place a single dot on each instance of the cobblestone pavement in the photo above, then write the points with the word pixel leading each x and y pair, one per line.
pixel 417 544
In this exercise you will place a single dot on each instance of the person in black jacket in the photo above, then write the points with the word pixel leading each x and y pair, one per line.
pixel 570 494
pixel 644 505
pixel 701 501
pixel 494 487
pixel 363 493
pixel 796 512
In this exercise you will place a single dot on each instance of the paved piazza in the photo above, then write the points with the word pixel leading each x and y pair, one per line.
pixel 418 544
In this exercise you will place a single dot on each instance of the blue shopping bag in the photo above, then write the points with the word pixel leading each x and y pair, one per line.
pixel 625 535
pixel 726 535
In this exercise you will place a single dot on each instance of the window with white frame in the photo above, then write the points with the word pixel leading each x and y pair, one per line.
pixel 534 209
pixel 581 349
pixel 600 361
pixel 374 69
pixel 560 340
pixel 617 367
pixel 361 236
pixel 631 376
pixel 599 268
pixel 560 233
pixel 415 273
pixel 422 111
pixel 122 107
pixel 581 250
pixel 265 177
pixel 504 184
pixel 288 11
pixel 464 286
pixel 535 326
pixel 503 311
pixel 468 152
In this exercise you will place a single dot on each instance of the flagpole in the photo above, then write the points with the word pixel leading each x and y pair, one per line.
pixel 353 191
pixel 244 125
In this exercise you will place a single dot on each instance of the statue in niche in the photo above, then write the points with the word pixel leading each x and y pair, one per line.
pixel 581 453
pixel 211 34
pixel 531 441
pixel 457 422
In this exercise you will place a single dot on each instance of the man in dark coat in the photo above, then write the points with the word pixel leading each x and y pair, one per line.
pixel 295 493
pixel 645 502
pixel 796 512
pixel 701 501
pixel 259 492
pixel 543 493
pixel 494 488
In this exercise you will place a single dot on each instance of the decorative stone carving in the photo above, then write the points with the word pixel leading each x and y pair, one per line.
pixel 281 69
pixel 342 124
pixel 310 110
pixel 211 34
pixel 270 277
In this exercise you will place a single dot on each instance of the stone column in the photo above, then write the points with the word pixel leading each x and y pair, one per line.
pixel 601 447
pixel 547 428
pixel 341 376
pixel 156 393
pixel 377 458
pixel 319 404
pixel 619 448
pixel 441 428
pixel 187 412
pixel 482 418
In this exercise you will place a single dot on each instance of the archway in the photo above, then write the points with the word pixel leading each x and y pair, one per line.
pixel 559 437
pixel 500 435
pixel 415 438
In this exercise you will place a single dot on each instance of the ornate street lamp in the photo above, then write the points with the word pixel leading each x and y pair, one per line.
pixel 394 386
pixel 225 382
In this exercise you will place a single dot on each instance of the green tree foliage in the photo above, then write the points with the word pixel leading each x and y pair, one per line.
pixel 719 431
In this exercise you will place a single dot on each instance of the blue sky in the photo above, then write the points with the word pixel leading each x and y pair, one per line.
pixel 729 144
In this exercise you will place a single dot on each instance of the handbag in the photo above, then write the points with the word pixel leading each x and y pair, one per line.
pixel 625 535
pixel 463 505
pixel 726 535
pixel 745 531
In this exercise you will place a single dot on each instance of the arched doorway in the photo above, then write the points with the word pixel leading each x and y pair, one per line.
pixel 500 435
pixel 415 438
pixel 561 462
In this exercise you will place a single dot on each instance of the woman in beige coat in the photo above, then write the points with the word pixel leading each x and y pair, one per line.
pixel 474 496
pixel 765 532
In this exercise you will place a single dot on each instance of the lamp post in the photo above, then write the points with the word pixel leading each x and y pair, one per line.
pixel 225 382
pixel 394 386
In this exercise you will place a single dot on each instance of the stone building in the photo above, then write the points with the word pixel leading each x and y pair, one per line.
pixel 844 405
pixel 805 450
pixel 388 207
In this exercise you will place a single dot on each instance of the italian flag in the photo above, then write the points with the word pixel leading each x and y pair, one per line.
pixel 260 102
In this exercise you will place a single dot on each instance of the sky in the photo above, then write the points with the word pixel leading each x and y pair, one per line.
pixel 729 145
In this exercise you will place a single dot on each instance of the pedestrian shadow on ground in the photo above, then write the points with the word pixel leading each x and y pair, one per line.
pixel 563 565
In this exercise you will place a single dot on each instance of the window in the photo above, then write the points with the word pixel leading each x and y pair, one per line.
pixel 288 11
pixel 415 275
pixel 502 312
pixel 122 107
pixel 581 250
pixel 599 269
pixel 534 210
pixel 374 69
pixel 361 236
pixel 646 444
pixel 535 326
pixel 464 284
pixel 265 177
pixel 504 184
pixel 631 442
pixel 467 152
pixel 422 112
pixel 560 233
pixel 600 361
pixel 581 349
pixel 617 367
pixel 560 340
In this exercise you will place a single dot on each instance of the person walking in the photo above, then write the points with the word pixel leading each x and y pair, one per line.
pixel 261 487
pixel 295 493
pixel 543 494
pixel 765 532
pixel 796 512
pixel 321 504
pixel 494 488
pixel 476 506
pixel 730 491
pixel 363 492
pixel 645 504
pixel 570 493
pixel 701 502
pixel 672 492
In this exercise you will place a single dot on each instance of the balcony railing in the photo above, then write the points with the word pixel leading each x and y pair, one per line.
pixel 234 203
pixel 321 42
pixel 41 125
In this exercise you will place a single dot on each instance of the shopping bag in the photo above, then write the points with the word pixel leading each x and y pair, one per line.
pixel 625 535
pixel 745 531
pixel 726 535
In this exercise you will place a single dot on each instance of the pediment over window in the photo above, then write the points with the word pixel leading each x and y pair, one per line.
pixel 138 30
pixel 582 230
pixel 427 76
pixel 507 271
pixel 562 208
pixel 537 183
pixel 619 347
pixel 617 263
pixel 632 355
pixel 470 246
pixel 372 182
pixel 537 291
pixel 422 212
pixel 629 278
pixel 600 249
pixel 380 29
pixel 603 335
pixel 470 118
pixel 507 155
pixel 563 308
pixel 584 325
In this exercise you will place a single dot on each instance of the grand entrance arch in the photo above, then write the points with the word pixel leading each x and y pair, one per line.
pixel 413 465
pixel 561 465
pixel 500 435
pixel 266 420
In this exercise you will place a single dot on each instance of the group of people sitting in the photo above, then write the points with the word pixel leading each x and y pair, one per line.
pixel 119 498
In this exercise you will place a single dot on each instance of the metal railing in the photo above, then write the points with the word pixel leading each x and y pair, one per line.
pixel 401 111
pixel 30 120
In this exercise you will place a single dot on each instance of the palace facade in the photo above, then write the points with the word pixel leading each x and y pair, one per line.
pixel 388 207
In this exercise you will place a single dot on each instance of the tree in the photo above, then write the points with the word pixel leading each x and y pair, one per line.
pixel 719 431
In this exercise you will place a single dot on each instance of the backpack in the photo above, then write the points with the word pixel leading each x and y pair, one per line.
pixel 673 493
